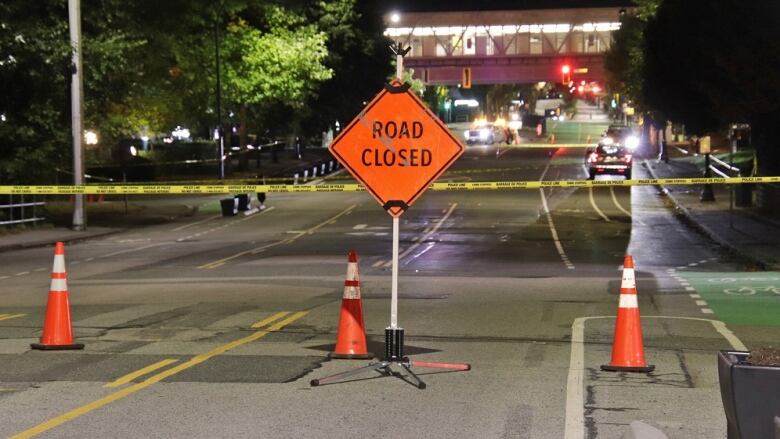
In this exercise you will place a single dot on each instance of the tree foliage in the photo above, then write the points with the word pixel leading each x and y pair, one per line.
pixel 709 64
pixel 280 65
pixel 150 65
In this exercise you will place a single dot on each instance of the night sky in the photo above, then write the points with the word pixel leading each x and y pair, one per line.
pixel 497 5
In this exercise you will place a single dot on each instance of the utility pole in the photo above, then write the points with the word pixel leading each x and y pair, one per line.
pixel 219 100
pixel 76 105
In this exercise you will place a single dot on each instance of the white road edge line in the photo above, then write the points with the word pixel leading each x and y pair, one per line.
pixel 575 411
pixel 558 245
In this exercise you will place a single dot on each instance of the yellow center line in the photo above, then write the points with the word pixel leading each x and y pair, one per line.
pixel 194 361
pixel 270 319
pixel 220 262
pixel 10 316
pixel 140 372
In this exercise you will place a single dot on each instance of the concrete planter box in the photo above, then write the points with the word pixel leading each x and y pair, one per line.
pixel 751 396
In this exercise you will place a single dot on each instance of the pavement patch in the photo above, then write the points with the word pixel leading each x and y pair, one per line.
pixel 249 369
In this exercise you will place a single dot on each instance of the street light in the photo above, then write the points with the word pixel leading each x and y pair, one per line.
pixel 395 17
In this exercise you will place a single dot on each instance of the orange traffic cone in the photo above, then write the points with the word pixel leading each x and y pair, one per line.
pixel 628 352
pixel 57 329
pixel 351 336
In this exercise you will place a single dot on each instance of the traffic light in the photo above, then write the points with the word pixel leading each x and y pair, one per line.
pixel 467 77
pixel 566 73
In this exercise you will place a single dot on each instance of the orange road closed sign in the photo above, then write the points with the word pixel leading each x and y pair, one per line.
pixel 396 148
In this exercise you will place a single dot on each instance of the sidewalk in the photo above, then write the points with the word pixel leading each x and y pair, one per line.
pixel 111 217
pixel 742 230
pixel 42 237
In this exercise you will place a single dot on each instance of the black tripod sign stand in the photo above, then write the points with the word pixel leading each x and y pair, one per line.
pixel 394 355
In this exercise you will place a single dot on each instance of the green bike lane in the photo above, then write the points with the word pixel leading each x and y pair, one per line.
pixel 575 132
pixel 738 298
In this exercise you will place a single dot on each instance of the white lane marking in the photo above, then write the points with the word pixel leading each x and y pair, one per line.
pixel 89 259
pixel 360 226
pixel 121 252
pixel 690 289
pixel 575 411
pixel 595 207
pixel 22 273
pixel 553 231
pixel 619 206
pixel 37 269
pixel 4 277
pixel 429 231
pixel 701 303
pixel 707 311
pixel 695 296
pixel 703 261
pixel 232 223
pixel 195 223
pixel 693 264
pixel 378 263
pixel 615 200
pixel 290 240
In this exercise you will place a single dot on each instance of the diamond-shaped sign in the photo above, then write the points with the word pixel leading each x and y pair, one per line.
pixel 396 147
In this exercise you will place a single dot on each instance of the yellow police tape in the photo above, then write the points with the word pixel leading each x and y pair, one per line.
pixel 147 189
pixel 549 145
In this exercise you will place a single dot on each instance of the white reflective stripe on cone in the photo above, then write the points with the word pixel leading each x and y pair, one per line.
pixel 59 285
pixel 352 271
pixel 628 301
pixel 628 279
pixel 351 293
pixel 59 264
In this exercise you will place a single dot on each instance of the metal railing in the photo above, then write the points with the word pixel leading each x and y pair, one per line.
pixel 723 165
pixel 19 209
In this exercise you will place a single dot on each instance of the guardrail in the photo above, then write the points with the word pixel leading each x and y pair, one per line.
pixel 23 211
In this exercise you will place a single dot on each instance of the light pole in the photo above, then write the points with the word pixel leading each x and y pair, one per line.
pixel 221 138
pixel 76 98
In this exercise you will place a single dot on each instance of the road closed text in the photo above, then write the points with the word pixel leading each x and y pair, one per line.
pixel 389 154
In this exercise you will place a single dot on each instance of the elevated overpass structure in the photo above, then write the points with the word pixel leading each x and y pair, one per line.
pixel 511 46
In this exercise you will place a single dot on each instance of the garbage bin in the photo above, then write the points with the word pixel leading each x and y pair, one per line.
pixel 743 195
pixel 242 202
pixel 229 206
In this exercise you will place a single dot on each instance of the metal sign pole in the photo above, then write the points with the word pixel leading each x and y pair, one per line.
pixel 399 70
pixel 394 297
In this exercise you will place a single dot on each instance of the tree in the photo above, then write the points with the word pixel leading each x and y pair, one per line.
pixel 281 66
pixel 709 64
pixel 358 55
pixel 35 74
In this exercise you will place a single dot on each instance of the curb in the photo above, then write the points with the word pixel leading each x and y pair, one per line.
pixel 706 231
pixel 37 244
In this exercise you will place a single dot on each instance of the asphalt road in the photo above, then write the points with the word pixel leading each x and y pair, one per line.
pixel 523 285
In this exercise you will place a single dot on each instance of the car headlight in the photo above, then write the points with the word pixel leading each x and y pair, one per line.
pixel 484 133
pixel 466 134
pixel 632 142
